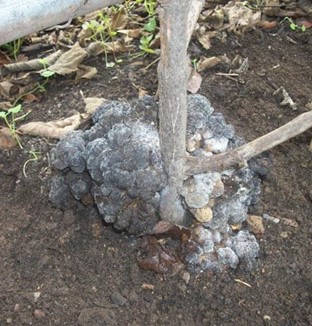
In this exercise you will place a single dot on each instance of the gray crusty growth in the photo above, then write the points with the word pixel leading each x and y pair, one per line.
pixel 117 163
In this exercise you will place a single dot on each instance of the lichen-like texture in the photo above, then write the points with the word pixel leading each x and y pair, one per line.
pixel 117 163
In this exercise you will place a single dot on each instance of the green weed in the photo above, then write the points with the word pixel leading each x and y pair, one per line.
pixel 10 118
pixel 293 26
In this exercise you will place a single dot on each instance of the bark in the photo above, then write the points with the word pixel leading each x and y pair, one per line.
pixel 172 79
pixel 239 156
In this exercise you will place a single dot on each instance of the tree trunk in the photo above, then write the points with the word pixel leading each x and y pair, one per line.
pixel 172 79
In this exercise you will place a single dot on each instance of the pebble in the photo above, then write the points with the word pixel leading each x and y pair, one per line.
pixel 38 313
pixel 284 235
pixel 203 215
pixel 186 277
pixel 255 224
pixel 118 299
pixel 271 218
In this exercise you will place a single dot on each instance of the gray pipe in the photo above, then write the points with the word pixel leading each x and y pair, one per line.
pixel 19 18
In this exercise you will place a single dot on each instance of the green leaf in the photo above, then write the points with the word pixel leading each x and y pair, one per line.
pixel 47 73
pixel 303 28
pixel 16 109
pixel 293 26
pixel 3 114
pixel 151 25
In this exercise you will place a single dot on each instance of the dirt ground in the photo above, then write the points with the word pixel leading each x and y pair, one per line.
pixel 66 268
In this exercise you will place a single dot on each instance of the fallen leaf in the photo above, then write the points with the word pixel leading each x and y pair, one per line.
pixel 142 92
pixel 204 38
pixel 206 63
pixel 194 82
pixel 154 256
pixel 4 59
pixel 86 72
pixel 35 64
pixel 6 139
pixel 240 17
pixel 172 230
pixel 119 19
pixel 53 129
pixel 69 61
pixel 7 89
pixel 92 103
pixel 4 106
pixel 29 98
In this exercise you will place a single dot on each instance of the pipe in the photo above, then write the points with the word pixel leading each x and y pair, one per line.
pixel 19 18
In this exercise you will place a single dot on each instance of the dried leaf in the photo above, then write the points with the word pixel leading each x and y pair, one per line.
pixel 4 106
pixel 29 98
pixel 171 230
pixel 6 139
pixel 120 19
pixel 194 82
pixel 7 89
pixel 206 63
pixel 53 129
pixel 34 64
pixel 92 103
pixel 4 59
pixel 142 92
pixel 240 17
pixel 204 38
pixel 86 72
pixel 131 33
pixel 215 17
pixel 154 256
pixel 69 61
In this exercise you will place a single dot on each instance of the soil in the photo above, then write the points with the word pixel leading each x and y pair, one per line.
pixel 67 268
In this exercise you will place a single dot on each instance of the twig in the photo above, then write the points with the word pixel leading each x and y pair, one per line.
pixel 239 156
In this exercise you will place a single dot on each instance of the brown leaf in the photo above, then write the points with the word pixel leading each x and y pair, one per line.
pixel 86 72
pixel 92 103
pixel 69 61
pixel 204 38
pixel 6 139
pixel 53 129
pixel 206 63
pixel 29 98
pixel 119 20
pixel 7 89
pixel 194 82
pixel 4 106
pixel 4 59
pixel 172 230
pixel 154 256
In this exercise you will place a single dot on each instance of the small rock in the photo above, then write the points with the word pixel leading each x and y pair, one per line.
pixel 271 218
pixel 38 313
pixel 218 189
pixel 215 145
pixel 284 235
pixel 118 299
pixel 202 215
pixel 186 277
pixel 255 224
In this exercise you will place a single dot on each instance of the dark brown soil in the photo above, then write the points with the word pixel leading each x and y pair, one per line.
pixel 66 268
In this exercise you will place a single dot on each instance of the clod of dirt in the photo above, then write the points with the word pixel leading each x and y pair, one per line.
pixel 118 162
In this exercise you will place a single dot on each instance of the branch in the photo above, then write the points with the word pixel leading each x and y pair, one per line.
pixel 238 156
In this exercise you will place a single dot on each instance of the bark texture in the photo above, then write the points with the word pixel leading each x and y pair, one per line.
pixel 172 78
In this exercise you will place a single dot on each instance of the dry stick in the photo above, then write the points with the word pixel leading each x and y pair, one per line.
pixel 240 155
